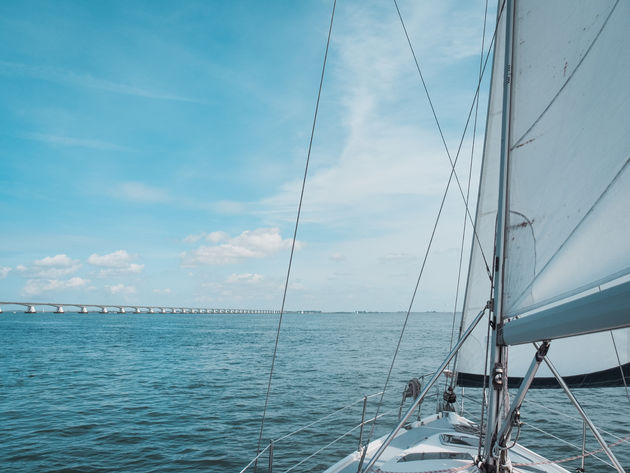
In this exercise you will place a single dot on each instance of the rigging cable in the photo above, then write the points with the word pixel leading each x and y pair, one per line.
pixel 437 122
pixel 623 376
pixel 461 251
pixel 297 221
pixel 448 184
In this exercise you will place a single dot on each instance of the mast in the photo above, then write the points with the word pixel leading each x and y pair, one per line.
pixel 499 398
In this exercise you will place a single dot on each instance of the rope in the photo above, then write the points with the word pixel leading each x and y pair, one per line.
pixel 568 416
pixel 255 459
pixel 323 448
pixel 297 221
pixel 623 376
pixel 485 379
pixel 472 155
pixel 437 122
pixel 297 431
pixel 563 441
pixel 575 457
pixel 333 442
pixel 435 227
pixel 543 462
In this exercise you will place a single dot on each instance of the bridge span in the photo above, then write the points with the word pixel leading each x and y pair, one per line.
pixel 59 308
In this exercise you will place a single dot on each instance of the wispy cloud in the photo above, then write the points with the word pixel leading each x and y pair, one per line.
pixel 251 278
pixel 213 237
pixel 74 142
pixel 4 271
pixel 251 244
pixel 68 77
pixel 118 262
pixel 166 291
pixel 397 258
pixel 337 256
pixel 37 286
pixel 193 238
pixel 120 289
pixel 388 165
pixel 50 267
pixel 140 192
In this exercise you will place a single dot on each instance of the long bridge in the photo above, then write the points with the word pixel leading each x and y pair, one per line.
pixel 59 308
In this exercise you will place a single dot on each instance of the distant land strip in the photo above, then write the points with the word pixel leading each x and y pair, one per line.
pixel 61 308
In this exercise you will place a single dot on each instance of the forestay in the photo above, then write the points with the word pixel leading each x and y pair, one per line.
pixel 567 250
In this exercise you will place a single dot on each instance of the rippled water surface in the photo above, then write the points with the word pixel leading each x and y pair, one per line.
pixel 172 393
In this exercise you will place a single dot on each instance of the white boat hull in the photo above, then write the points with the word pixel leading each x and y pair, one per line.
pixel 439 443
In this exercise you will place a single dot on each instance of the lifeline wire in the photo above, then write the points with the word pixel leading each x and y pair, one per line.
pixel 448 184
pixel 437 122
pixel 297 221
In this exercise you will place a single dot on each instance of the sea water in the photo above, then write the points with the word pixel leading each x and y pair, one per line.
pixel 185 392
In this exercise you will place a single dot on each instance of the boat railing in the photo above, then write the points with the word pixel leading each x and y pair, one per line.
pixel 578 425
pixel 268 450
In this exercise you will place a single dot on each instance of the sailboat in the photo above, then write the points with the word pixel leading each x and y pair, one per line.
pixel 547 302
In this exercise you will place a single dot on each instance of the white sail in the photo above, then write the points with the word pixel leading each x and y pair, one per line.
pixel 478 286
pixel 569 176
pixel 567 265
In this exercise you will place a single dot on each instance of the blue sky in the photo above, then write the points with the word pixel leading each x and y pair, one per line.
pixel 152 151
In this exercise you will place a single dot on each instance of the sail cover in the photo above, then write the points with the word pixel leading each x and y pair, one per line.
pixel 567 263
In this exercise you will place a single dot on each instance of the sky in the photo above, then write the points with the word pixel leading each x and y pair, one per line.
pixel 152 152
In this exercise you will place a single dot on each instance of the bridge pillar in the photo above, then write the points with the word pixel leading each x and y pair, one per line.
pixel 0 310
pixel 121 310
pixel 30 309
pixel 83 310
pixel 151 311
pixel 59 310
pixel 163 310
pixel 104 310
pixel 136 310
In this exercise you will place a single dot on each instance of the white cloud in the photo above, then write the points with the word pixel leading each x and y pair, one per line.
pixel 194 238
pixel 140 192
pixel 4 271
pixel 216 237
pixel 213 237
pixel 228 207
pixel 57 260
pixel 337 256
pixel 117 262
pixel 120 289
pixel 66 76
pixel 162 291
pixel 254 244
pixel 387 155
pixel 251 278
pixel 74 142
pixel 37 286
pixel 398 258
pixel 50 267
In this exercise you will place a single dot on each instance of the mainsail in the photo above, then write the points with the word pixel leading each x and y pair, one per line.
pixel 567 263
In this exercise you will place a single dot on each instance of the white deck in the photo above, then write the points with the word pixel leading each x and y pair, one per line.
pixel 441 442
